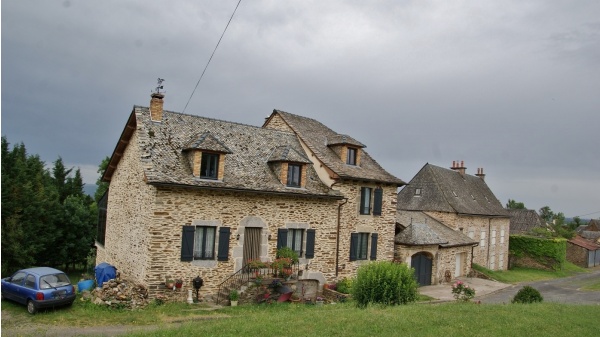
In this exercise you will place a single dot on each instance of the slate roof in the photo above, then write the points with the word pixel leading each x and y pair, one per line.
pixel 592 226
pixel 445 190
pixel 319 138
pixel 432 233
pixel 164 145
pixel 523 221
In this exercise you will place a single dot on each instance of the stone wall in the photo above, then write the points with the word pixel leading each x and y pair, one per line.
pixel 129 210
pixel 577 255
pixel 444 260
pixel 352 222
pixel 490 232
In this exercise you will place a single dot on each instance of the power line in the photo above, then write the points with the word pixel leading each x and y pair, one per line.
pixel 588 214
pixel 211 56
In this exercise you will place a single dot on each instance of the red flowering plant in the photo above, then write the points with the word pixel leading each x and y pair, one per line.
pixel 462 292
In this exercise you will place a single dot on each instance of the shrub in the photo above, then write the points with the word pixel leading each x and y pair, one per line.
pixel 287 252
pixel 385 283
pixel 344 286
pixel 527 294
pixel 462 292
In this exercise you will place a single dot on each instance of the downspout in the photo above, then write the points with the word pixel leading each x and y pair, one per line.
pixel 489 238
pixel 337 241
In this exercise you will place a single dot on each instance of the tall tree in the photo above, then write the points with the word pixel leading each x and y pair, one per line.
pixel 512 204
pixel 102 186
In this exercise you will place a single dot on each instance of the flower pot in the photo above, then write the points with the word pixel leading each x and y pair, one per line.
pixel 169 285
pixel 85 285
pixel 178 285
pixel 234 303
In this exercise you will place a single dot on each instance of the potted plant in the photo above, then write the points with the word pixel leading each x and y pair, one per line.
pixel 178 283
pixel 169 283
pixel 234 296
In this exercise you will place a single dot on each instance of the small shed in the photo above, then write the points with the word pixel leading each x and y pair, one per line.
pixel 582 252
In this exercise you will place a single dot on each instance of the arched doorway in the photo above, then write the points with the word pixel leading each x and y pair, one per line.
pixel 422 263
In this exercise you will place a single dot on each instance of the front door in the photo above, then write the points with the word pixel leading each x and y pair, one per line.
pixel 422 264
pixel 252 238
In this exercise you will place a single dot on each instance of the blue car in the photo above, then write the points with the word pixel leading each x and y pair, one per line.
pixel 38 288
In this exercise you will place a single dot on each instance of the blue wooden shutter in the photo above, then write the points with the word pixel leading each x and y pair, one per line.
pixel 353 245
pixel 187 243
pixel 374 246
pixel 377 203
pixel 223 254
pixel 310 244
pixel 282 237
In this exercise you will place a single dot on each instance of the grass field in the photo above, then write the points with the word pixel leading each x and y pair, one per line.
pixel 517 275
pixel 447 319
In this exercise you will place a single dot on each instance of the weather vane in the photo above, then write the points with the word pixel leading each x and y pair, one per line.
pixel 160 86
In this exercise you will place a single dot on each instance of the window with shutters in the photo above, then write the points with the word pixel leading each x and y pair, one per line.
pixel 301 240
pixel 295 238
pixel 209 167
pixel 371 201
pixel 360 244
pixel 204 243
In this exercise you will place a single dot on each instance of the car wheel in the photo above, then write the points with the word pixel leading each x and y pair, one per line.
pixel 31 308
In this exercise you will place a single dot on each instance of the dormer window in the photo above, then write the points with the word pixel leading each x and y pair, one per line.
pixel 294 175
pixel 206 156
pixel 209 167
pixel 351 156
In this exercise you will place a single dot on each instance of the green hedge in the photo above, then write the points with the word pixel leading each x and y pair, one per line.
pixel 548 252
pixel 384 282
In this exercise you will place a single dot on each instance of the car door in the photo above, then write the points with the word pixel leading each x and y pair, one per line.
pixel 14 287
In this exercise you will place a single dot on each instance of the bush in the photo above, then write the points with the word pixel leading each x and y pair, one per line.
pixel 528 295
pixel 462 292
pixel 287 252
pixel 344 286
pixel 385 283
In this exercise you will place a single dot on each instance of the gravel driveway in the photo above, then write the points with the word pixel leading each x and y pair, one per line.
pixel 563 290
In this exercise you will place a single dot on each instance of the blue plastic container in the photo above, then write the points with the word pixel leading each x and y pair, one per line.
pixel 85 285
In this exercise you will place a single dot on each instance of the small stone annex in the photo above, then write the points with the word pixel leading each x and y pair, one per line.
pixel 194 196
pixel 447 220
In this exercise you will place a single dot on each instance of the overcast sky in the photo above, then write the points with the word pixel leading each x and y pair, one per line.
pixel 510 86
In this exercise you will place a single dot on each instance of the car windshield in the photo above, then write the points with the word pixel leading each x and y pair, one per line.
pixel 53 281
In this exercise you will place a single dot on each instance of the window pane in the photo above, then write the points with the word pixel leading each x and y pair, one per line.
pixel 351 156
pixel 209 166
pixel 198 242
pixel 294 240
pixel 209 247
pixel 365 198
pixel 293 178
pixel 362 246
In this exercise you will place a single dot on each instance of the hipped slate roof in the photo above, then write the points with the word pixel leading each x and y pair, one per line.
pixel 432 233
pixel 164 145
pixel 319 138
pixel 523 221
pixel 446 190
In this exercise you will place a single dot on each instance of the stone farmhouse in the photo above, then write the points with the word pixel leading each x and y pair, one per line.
pixel 193 196
pixel 446 221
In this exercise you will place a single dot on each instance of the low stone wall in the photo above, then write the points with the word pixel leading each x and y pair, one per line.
pixel 333 296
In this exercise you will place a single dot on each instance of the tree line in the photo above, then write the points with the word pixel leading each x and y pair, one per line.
pixel 557 224
pixel 47 219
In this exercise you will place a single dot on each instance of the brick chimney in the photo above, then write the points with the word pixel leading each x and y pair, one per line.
pixel 459 167
pixel 480 173
pixel 156 106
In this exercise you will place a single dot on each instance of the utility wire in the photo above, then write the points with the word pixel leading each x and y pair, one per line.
pixel 588 214
pixel 211 56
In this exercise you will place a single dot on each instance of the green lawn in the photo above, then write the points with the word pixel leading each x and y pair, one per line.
pixel 447 319
pixel 517 275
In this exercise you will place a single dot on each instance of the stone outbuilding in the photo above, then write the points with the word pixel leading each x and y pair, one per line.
pixel 464 204
pixel 194 196
pixel 582 252
pixel 525 222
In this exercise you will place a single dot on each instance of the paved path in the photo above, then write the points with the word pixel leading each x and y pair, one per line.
pixel 563 290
